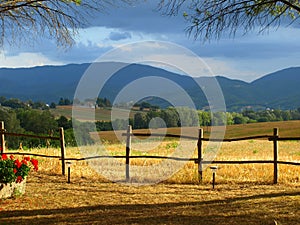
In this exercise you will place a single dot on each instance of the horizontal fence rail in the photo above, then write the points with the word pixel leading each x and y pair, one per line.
pixel 34 154
pixel 28 135
pixel 200 159
pixel 200 155
pixel 61 138
pixel 172 158
pixel 161 135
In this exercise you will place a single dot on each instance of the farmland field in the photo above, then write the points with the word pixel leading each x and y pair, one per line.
pixel 83 113
pixel 244 194
pixel 286 129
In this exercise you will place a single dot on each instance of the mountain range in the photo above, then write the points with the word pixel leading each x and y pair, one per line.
pixel 280 90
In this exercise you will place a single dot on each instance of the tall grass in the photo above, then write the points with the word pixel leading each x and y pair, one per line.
pixel 188 174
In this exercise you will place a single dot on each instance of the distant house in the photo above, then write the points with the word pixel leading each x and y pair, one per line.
pixel 136 108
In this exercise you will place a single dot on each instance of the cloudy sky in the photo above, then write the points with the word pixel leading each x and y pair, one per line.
pixel 245 57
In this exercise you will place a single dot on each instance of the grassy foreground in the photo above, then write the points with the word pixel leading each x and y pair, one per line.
pixel 50 200
pixel 244 194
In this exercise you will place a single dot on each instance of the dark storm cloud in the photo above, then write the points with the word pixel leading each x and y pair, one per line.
pixel 142 17
pixel 117 36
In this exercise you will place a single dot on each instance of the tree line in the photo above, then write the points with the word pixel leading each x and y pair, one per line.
pixel 177 117
pixel 36 118
pixel 17 103
pixel 41 122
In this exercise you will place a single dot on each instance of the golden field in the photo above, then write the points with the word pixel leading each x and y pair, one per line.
pixel 244 194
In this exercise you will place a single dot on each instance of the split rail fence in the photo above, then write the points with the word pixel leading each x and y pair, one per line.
pixel 61 139
pixel 200 154
pixel 275 138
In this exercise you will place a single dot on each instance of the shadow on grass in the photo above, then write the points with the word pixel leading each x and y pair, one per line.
pixel 233 210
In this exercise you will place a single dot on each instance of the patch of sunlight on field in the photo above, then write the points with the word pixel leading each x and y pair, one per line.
pixel 242 150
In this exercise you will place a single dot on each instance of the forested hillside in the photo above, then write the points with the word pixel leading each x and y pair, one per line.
pixel 279 90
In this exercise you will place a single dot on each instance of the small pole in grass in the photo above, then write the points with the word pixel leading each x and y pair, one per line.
pixel 69 171
pixel 214 171
pixel 200 155
pixel 128 146
pixel 63 149
pixel 2 139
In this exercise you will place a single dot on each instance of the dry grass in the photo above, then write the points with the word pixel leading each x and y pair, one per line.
pixel 50 200
pixel 243 150
pixel 188 174
pixel 244 194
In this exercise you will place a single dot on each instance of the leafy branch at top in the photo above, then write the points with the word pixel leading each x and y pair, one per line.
pixel 57 19
pixel 209 19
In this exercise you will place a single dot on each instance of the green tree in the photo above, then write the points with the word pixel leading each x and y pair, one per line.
pixel 39 105
pixel 2 99
pixel 250 114
pixel 64 101
pixel 140 121
pixel 286 115
pixel 210 19
pixel 14 103
pixel 239 118
pixel 11 124
pixel 52 105
pixel 70 138
pixel 119 124
pixel 103 125
pixel 266 115
pixel 103 102
pixel 295 114
pixel 83 130
pixel 229 118
pixel 188 117
pixel 219 119
pixel 171 117
pixel 64 122
pixel 204 118
pixel 36 121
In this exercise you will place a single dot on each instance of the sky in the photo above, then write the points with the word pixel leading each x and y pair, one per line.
pixel 244 57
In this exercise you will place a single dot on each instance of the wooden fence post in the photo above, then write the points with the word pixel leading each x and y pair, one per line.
pixel 200 155
pixel 63 150
pixel 275 149
pixel 128 145
pixel 2 129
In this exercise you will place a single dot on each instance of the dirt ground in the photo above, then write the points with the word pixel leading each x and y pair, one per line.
pixel 49 199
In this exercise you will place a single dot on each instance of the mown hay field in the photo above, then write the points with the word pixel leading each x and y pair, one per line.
pixel 244 194
pixel 188 174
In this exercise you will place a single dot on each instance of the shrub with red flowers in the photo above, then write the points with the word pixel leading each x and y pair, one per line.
pixel 15 170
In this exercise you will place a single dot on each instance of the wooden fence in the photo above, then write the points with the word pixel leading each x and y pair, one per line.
pixel 198 160
pixel 200 155
pixel 61 139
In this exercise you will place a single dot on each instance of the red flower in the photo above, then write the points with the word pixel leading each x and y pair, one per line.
pixel 27 158
pixel 35 164
pixel 4 156
pixel 19 179
pixel 11 157
pixel 18 163
pixel 15 170
pixel 24 162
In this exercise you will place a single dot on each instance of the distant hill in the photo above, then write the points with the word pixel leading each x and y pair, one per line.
pixel 50 83
pixel 45 83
